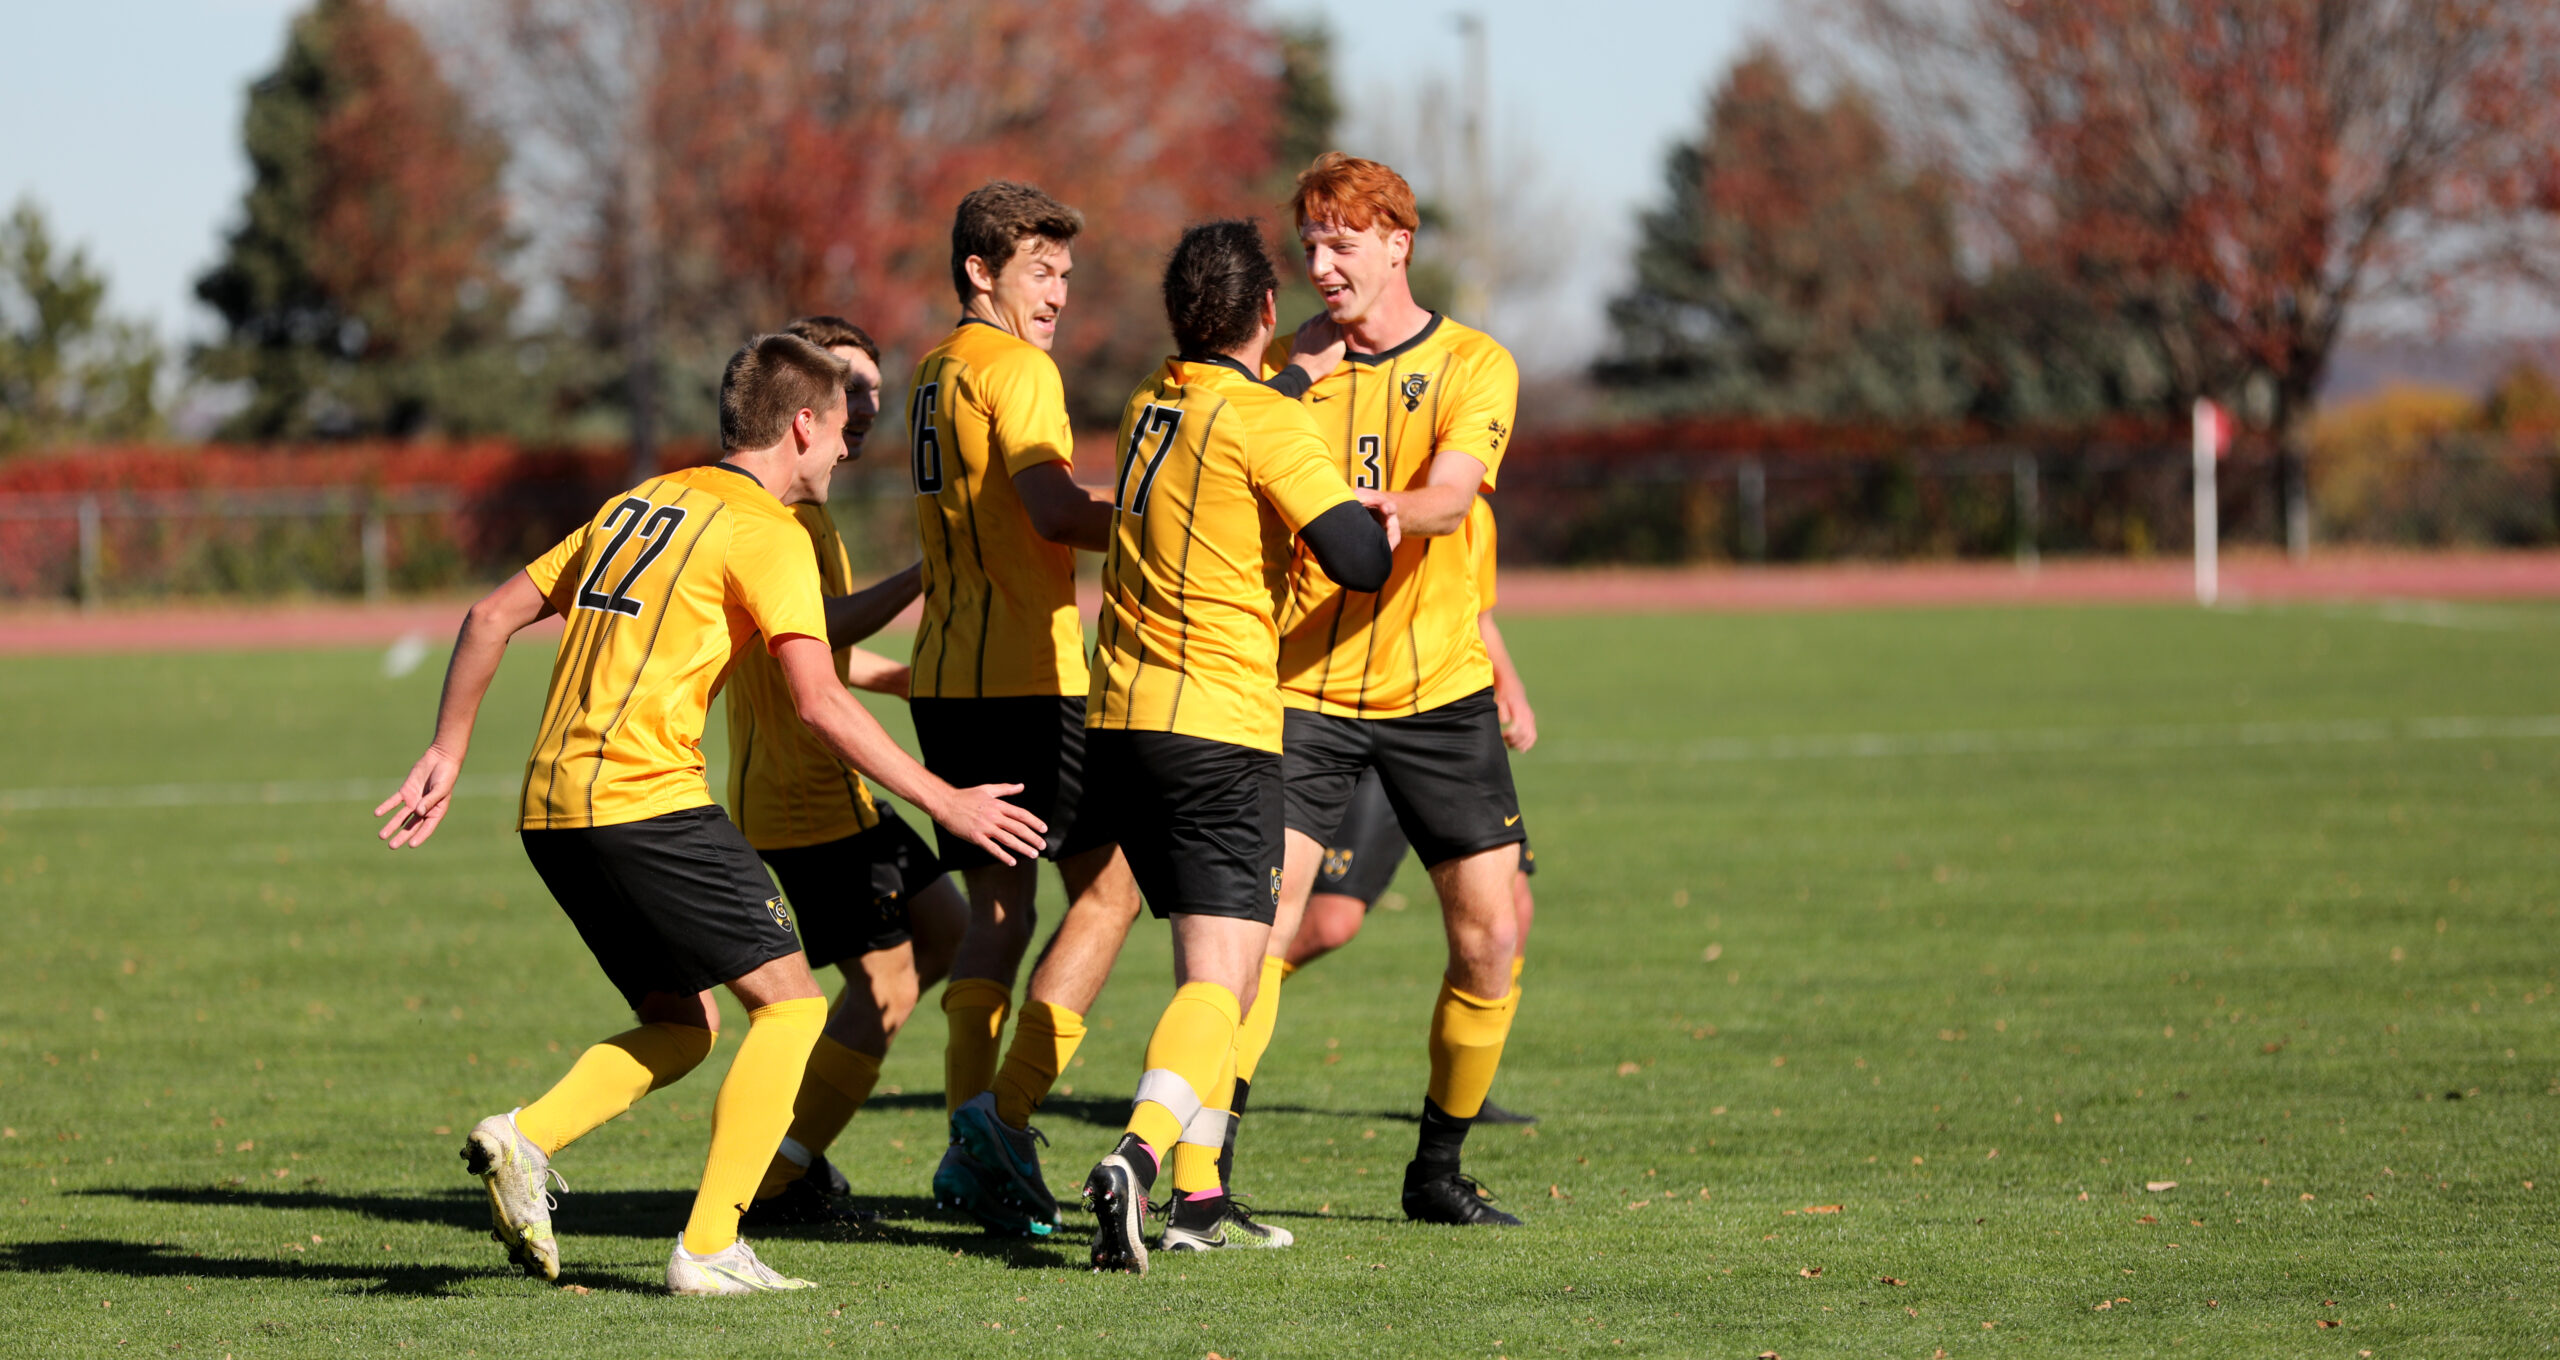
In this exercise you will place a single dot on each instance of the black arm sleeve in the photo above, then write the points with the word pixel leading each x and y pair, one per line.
pixel 1350 546
pixel 1291 382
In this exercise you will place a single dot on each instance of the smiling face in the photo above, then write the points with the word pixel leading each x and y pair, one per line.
pixel 1352 270
pixel 820 439
pixel 1026 295
pixel 861 396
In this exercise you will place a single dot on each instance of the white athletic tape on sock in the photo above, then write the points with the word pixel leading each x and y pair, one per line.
pixel 797 1155
pixel 1208 1128
pixel 1170 1089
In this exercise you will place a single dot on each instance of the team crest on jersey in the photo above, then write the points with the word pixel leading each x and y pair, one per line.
pixel 1415 384
pixel 780 917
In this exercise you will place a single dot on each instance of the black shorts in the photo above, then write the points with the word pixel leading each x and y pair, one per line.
pixel 1363 854
pixel 1199 820
pixel 1444 771
pixel 852 893
pixel 676 903
pixel 1035 740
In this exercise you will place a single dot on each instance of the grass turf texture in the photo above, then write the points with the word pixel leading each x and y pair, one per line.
pixel 1975 995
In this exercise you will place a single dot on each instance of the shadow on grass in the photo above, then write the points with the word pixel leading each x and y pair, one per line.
pixel 906 1221
pixel 148 1261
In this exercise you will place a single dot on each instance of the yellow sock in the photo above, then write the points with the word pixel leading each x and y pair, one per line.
pixel 748 1120
pixel 839 1079
pixel 1043 1039
pixel 1194 1042
pixel 975 1007
pixel 1467 1033
pixel 609 1077
pixel 1195 1157
pixel 1287 969
pixel 1253 1037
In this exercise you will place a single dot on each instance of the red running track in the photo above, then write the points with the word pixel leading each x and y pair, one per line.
pixel 2245 578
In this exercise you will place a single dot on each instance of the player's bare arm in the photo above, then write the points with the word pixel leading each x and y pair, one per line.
pixel 477 650
pixel 979 814
pixel 1062 511
pixel 851 618
pixel 1439 506
pixel 1510 697
pixel 876 674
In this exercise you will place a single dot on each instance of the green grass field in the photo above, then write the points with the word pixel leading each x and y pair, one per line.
pixel 1971 924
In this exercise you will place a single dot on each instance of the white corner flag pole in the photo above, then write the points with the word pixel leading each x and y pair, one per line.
pixel 2208 506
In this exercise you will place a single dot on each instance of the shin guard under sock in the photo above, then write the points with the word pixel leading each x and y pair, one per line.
pixel 750 1116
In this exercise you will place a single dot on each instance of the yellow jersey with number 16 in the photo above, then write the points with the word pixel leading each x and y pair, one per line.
pixel 661 591
pixel 788 789
pixel 1218 473
pixel 1412 646
pixel 999 600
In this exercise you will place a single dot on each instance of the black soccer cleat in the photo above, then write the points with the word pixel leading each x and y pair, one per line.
pixel 820 1197
pixel 1119 1207
pixel 1495 1114
pixel 1454 1198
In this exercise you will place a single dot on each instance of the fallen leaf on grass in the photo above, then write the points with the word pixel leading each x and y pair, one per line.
pixel 1638 1203
pixel 2324 1324
pixel 2146 1218
pixel 2156 1187
pixel 1887 1279
pixel 1628 1069
pixel 1822 1208
pixel 2102 1306
pixel 1810 1271
pixel 1766 1355
pixel 575 1289
pixel 1553 1192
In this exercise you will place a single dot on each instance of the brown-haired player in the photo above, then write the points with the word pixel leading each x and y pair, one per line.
pixel 870 895
pixel 997 674
pixel 661 590
pixel 1223 481
pixel 1398 682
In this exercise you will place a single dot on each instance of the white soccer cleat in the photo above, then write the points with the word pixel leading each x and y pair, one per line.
pixel 734 1271
pixel 520 1202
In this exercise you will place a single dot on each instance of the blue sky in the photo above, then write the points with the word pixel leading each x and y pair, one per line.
pixel 121 118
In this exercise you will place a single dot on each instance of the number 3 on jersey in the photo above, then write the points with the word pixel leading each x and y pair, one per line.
pixel 654 538
pixel 924 442
pixel 1164 421
pixel 1371 475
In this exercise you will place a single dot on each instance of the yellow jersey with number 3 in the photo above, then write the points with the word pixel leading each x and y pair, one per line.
pixel 1218 473
pixel 660 592
pixel 999 600
pixel 1412 646
pixel 788 789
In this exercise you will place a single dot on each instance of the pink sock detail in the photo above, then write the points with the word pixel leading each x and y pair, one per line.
pixel 1204 1194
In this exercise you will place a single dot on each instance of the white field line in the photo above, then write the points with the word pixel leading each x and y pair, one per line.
pixel 2039 740
pixel 366 791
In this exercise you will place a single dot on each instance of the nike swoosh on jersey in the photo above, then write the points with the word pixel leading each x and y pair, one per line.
pixel 1327 396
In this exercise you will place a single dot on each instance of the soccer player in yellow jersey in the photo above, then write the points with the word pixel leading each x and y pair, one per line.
pixel 997 673
pixel 1365 852
pixel 1221 480
pixel 661 591
pixel 1398 681
pixel 870 895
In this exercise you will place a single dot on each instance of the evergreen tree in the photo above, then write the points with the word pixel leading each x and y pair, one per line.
pixel 1793 270
pixel 69 372
pixel 363 291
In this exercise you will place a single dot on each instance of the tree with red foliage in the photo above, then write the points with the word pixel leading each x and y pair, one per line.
pixel 736 163
pixel 2237 178
pixel 364 292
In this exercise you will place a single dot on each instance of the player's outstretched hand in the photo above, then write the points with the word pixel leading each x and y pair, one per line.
pixel 1318 346
pixel 1519 721
pixel 982 817
pixel 1382 508
pixel 422 799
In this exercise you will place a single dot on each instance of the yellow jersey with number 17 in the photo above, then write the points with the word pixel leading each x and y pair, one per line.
pixel 1413 645
pixel 999 600
pixel 1218 473
pixel 788 789
pixel 661 591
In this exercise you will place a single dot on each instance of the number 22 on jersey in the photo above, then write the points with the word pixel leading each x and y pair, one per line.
pixel 655 534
